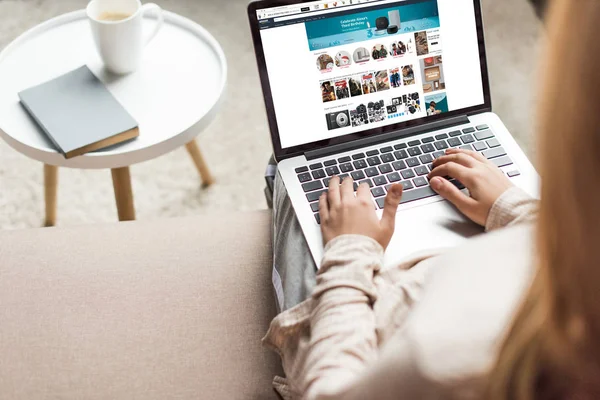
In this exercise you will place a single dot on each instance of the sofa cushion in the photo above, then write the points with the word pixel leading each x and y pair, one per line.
pixel 140 310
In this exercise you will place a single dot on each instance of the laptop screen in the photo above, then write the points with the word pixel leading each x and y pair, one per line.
pixel 347 66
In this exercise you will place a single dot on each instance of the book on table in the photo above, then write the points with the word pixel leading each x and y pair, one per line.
pixel 78 113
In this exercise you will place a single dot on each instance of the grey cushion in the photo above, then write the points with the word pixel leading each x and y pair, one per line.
pixel 142 310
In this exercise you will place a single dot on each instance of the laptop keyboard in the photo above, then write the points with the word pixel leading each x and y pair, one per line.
pixel 407 164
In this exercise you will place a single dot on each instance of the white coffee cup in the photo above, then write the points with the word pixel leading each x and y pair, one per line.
pixel 117 27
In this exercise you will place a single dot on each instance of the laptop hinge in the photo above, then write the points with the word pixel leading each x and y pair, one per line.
pixel 388 137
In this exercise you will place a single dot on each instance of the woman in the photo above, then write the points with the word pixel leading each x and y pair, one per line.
pixel 498 318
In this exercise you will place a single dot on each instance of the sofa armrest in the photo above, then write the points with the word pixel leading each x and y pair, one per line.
pixel 140 310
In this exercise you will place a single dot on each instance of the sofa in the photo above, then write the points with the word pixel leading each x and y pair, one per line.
pixel 170 309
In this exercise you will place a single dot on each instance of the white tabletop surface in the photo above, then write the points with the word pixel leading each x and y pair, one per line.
pixel 173 96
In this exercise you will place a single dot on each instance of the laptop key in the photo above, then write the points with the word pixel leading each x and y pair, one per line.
pixel 401 155
pixel 387 149
pixel 314 207
pixel 358 175
pixel 411 195
pixel 318 218
pixel 421 170
pixel 380 181
pixel 479 146
pixel 441 145
pixel 329 163
pixel 372 153
pixel 332 171
pixel 427 148
pixel 319 174
pixel 358 156
pixel 407 185
pixel 344 159
pixel 300 170
pixel 442 136
pixel 347 167
pixel 455 133
pixel 482 127
pixel 493 143
pixel 438 154
pixel 414 151
pixel 502 161
pixel 467 139
pixel 514 173
pixel 367 181
pixel 408 174
pixel 493 153
pixel 412 162
pixel 414 143
pixel 394 177
pixel 378 192
pixel 316 166
pixel 385 168
pixel 387 158
pixel 399 165
pixel 360 164
pixel 371 172
pixel 420 181
pixel 373 161
pixel 314 196
pixel 426 159
pixel 458 184
pixel 468 130
pixel 400 146
pixel 427 140
pixel 454 142
pixel 310 186
pixel 482 135
pixel 466 147
pixel 305 177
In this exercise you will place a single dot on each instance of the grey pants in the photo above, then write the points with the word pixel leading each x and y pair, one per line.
pixel 294 271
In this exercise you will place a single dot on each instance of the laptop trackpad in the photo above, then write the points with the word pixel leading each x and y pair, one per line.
pixel 426 227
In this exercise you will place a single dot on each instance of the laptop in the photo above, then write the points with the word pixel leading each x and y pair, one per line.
pixel 376 90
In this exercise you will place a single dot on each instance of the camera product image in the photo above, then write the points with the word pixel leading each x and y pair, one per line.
pixel 392 109
pixel 359 116
pixel 337 120
pixel 376 111
pixel 392 29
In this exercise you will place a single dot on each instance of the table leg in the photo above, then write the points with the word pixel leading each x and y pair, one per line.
pixel 123 193
pixel 205 175
pixel 50 189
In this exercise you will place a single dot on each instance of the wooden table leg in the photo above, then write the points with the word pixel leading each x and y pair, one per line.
pixel 123 193
pixel 50 190
pixel 205 175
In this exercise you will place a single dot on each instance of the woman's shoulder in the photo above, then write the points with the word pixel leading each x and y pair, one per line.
pixel 468 303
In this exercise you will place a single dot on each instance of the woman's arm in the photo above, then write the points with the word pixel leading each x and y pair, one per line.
pixel 343 341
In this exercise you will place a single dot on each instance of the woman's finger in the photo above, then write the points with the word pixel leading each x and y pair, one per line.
pixel 364 193
pixel 453 170
pixel 347 190
pixel 323 208
pixel 392 201
pixel 475 154
pixel 333 195
pixel 447 190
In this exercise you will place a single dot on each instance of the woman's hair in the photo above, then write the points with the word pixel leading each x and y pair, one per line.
pixel 552 350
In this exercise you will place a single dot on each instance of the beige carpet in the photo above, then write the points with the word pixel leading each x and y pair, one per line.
pixel 237 145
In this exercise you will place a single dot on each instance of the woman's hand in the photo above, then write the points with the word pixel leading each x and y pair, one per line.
pixel 485 182
pixel 342 213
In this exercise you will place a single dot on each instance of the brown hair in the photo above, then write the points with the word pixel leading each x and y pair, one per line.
pixel 552 350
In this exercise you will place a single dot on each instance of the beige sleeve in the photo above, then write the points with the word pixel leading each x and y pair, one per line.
pixel 512 207
pixel 343 339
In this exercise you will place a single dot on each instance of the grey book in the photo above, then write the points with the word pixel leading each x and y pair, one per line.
pixel 78 113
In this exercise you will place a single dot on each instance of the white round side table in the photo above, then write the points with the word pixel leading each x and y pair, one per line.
pixel 174 95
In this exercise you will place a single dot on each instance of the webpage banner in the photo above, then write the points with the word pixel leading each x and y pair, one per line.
pixel 363 26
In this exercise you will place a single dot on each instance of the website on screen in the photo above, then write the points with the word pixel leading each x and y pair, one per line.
pixel 343 67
